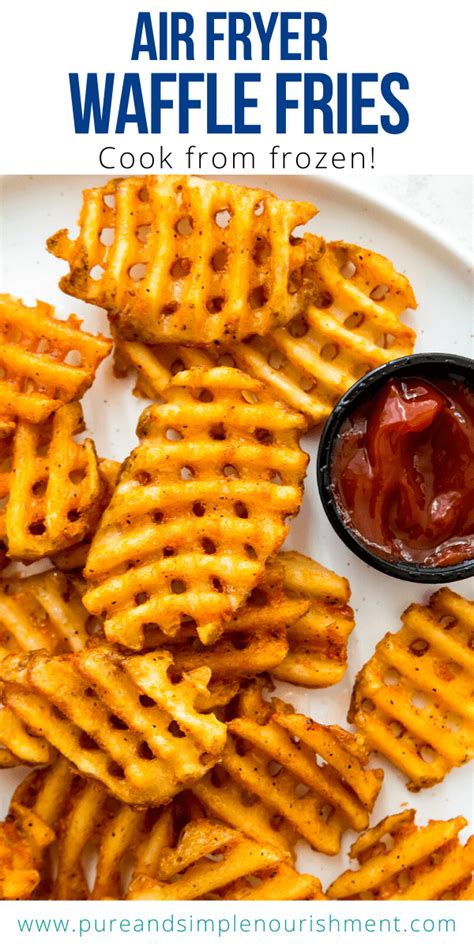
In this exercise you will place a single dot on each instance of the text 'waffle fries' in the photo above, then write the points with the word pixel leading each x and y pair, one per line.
pixel 200 506
pixel 214 861
pixel 182 259
pixel 271 755
pixel 413 700
pixel 353 326
pixel 402 861
pixel 54 486
pixel 44 362
pixel 122 721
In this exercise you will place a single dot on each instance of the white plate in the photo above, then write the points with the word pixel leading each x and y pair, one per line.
pixel 35 207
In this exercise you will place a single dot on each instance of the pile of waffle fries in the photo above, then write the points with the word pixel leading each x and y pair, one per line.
pixel 137 660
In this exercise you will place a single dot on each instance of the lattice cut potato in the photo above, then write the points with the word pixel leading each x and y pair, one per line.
pixel 271 755
pixel 74 557
pixel 45 362
pixel 182 259
pixel 43 611
pixel 18 745
pixel 23 838
pixel 401 861
pixel 353 325
pixel 200 506
pixel 214 861
pixel 123 721
pixel 413 700
pixel 55 487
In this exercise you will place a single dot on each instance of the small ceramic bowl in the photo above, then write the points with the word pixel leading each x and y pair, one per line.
pixel 431 365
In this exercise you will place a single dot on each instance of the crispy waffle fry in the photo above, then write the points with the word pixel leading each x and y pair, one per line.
pixel 401 861
pixel 45 362
pixel 200 506
pixel 271 754
pixel 5 481
pixel 211 860
pixel 353 326
pixel 23 837
pixel 182 259
pixel 120 720
pixel 43 611
pixel 413 698
pixel 17 744
pixel 55 488
pixel 74 558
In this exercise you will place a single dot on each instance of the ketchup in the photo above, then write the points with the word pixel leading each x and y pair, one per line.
pixel 403 472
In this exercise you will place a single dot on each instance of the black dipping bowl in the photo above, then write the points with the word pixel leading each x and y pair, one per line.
pixel 430 365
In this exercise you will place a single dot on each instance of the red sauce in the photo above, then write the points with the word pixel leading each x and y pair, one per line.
pixel 403 472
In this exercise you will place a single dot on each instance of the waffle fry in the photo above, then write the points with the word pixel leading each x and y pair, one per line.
pixel 45 362
pixel 55 488
pixel 271 754
pixel 353 327
pixel 120 720
pixel 413 698
pixel 18 745
pixel 43 611
pixel 402 861
pixel 22 841
pixel 75 557
pixel 5 481
pixel 193 869
pixel 181 259
pixel 200 506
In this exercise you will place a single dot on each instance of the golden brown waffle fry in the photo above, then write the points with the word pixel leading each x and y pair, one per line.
pixel 17 744
pixel 45 362
pixel 23 837
pixel 317 642
pixel 74 558
pixel 401 861
pixel 271 754
pixel 211 860
pixel 43 611
pixel 123 721
pixel 413 698
pixel 200 506
pixel 5 480
pixel 353 326
pixel 182 259
pixel 55 488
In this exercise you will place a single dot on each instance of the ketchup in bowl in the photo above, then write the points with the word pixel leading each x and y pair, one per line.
pixel 402 471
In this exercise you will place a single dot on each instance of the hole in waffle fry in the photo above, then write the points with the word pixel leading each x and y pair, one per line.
pixel 329 352
pixel 250 551
pixel 217 432
pixel 324 299
pixel 238 641
pixel 230 471
pixel 2 372
pixel 391 676
pixel 77 475
pixel 109 200
pixel 205 396
pixel 97 272
pixel 258 297
pixel 199 509
pixel 219 260
pixel 259 208
pixel 348 269
pixel 262 251
pixel 273 768
pixel 106 236
pixel 87 742
pixel 142 233
pixel 140 598
pixel 419 647
pixel 258 597
pixel 223 218
pixel 157 516
pixel 89 692
pixel 367 706
pixel 420 700
pixel 115 770
pixel 447 622
pixel 177 366
pixel 250 397
pixel 295 281
pixel 172 434
pixel 361 369
pixel 453 721
pixel 427 753
pixel 248 798
pixel 175 730
pixel 37 528
pixel 74 357
pixel 241 510
pixel 396 729
pixel 206 759
pixel 217 584
pixel 184 226
pixel 226 359
pixel 307 383
pixel 178 586
pixel 137 272
pixel 379 292
pixel 354 321
pixel 215 304
pixel 144 751
pixel 186 473
pixel 219 776
pixel 39 487
pixel 180 268
pixel 143 193
pixel 117 723
pixel 150 628
pixel 168 551
pixel 43 345
pixel 208 545
pixel 169 308
pixel 188 626
pixel 241 747
pixel 73 515
pixel 143 477
pixel 276 359
pixel 59 714
pixel 326 812
pixel 404 879
pixel 263 436
pixel 28 386
pixel 301 790
pixel 146 701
